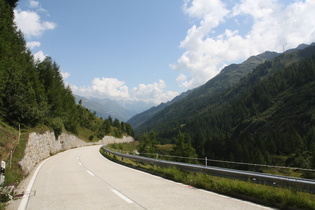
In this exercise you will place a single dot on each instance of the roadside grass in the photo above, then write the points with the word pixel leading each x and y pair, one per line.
pixel 14 173
pixel 87 135
pixel 131 147
pixel 10 146
pixel 266 195
pixel 166 149
pixel 8 139
pixel 124 147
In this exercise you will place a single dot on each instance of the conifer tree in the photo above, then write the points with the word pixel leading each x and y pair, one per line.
pixel 183 148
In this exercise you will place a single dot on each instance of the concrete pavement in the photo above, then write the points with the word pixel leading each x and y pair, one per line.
pixel 83 179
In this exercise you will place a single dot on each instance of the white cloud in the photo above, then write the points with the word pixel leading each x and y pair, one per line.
pixel 114 89
pixel 39 56
pixel 257 9
pixel 208 48
pixel 30 23
pixel 65 75
pixel 105 88
pixel 33 4
pixel 152 92
pixel 32 44
pixel 181 77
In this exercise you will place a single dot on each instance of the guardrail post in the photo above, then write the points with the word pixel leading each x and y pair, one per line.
pixel 206 161
pixel 157 155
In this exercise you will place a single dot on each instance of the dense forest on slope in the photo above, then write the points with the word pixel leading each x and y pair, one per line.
pixel 139 119
pixel 271 111
pixel 33 93
pixel 228 77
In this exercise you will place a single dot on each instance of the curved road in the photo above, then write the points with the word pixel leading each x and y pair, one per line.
pixel 83 179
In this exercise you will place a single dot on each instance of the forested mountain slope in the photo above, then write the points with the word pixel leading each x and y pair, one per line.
pixel 270 111
pixel 139 119
pixel 229 76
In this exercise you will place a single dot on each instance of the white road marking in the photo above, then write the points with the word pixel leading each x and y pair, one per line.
pixel 90 172
pixel 122 196
pixel 29 187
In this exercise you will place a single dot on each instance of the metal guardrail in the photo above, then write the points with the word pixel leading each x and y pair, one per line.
pixel 299 184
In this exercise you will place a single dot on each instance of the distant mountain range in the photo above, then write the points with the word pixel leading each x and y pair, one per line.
pixel 229 76
pixel 120 109
pixel 138 113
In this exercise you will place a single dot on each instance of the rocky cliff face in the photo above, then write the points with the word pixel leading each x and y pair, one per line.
pixel 41 146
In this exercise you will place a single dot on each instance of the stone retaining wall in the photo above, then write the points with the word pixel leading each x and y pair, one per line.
pixel 41 146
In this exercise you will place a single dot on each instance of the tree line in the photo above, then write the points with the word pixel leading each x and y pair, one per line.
pixel 32 92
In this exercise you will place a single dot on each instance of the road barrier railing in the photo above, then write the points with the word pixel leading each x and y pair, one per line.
pixel 299 184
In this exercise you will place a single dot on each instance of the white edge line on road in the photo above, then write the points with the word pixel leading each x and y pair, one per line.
pixel 136 170
pixel 90 172
pixel 29 187
pixel 122 196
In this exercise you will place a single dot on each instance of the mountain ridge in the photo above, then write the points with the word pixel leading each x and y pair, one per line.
pixel 104 107
pixel 228 76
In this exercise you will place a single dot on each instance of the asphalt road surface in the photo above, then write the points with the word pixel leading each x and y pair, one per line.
pixel 83 179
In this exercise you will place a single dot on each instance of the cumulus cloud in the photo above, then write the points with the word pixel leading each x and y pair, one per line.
pixel 152 92
pixel 30 23
pixel 208 48
pixel 65 75
pixel 105 88
pixel 39 56
pixel 115 89
pixel 32 44
pixel 34 4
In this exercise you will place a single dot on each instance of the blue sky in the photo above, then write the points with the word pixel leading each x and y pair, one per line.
pixel 153 50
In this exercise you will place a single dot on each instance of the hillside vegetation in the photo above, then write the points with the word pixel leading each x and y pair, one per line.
pixel 268 113
pixel 33 94
pixel 140 119
pixel 228 77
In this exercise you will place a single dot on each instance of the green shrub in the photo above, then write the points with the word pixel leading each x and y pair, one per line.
pixel 58 126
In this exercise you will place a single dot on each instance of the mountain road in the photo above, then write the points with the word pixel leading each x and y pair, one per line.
pixel 83 179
